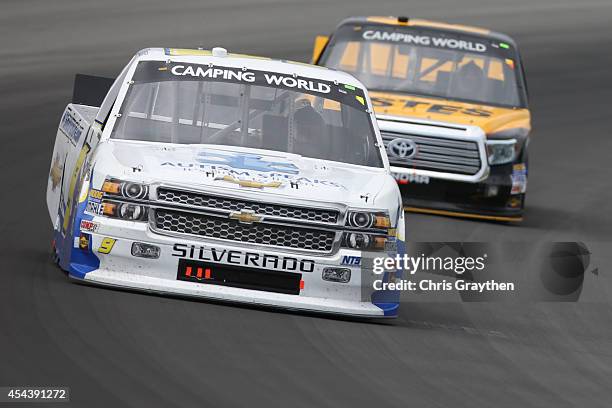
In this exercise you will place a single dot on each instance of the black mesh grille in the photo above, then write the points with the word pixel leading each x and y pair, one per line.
pixel 232 204
pixel 263 234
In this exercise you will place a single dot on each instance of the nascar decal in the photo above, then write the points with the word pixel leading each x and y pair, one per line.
pixel 156 71
pixel 426 40
pixel 234 257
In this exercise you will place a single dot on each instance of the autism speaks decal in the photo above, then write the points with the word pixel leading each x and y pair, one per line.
pixel 246 166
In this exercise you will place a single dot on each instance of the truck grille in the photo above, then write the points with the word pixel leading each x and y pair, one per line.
pixel 233 204
pixel 262 234
pixel 437 154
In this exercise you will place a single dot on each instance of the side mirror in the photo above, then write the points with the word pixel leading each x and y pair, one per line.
pixel 90 90
pixel 319 44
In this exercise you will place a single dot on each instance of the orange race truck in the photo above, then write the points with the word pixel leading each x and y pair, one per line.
pixel 452 106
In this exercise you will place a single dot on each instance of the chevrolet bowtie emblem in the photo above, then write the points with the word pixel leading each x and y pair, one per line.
pixel 245 216
pixel 56 173
pixel 249 183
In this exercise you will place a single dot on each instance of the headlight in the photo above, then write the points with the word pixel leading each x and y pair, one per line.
pixel 126 189
pixel 125 211
pixel 112 205
pixel 366 220
pixel 501 151
pixel 362 241
pixel 370 230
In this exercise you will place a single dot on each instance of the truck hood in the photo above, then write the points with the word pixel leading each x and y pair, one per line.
pixel 490 119
pixel 248 172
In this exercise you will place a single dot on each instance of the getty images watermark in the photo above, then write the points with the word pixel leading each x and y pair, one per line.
pixel 491 271
pixel 453 266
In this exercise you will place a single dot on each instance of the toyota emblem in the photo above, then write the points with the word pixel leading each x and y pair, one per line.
pixel 402 148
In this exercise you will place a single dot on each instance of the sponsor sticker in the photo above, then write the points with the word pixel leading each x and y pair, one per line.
pixel 89 226
pixel 351 260
pixel 519 179
pixel 96 194
pixel 84 241
pixel 427 106
pixel 71 128
pixel 407 178
pixel 94 207
pixel 252 170
pixel 246 161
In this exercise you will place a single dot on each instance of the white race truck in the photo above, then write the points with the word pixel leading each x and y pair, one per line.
pixel 229 177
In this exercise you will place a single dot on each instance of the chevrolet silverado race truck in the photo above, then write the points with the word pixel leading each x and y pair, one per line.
pixel 223 176
pixel 451 104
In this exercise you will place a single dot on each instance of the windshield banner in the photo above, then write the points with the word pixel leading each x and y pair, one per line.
pixel 426 40
pixel 411 36
pixel 158 71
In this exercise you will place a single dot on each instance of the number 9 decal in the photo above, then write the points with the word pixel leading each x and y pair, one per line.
pixel 106 246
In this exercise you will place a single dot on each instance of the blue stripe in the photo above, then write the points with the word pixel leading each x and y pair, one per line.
pixel 77 262
pixel 389 300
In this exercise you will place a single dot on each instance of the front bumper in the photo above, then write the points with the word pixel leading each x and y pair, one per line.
pixel 119 268
pixel 500 197
pixel 126 280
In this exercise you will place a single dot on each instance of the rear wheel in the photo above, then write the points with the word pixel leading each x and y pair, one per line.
pixel 54 256
pixel 525 159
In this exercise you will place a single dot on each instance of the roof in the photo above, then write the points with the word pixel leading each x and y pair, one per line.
pixel 435 25
pixel 200 56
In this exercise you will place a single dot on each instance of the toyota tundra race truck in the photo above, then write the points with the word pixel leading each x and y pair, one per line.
pixel 451 103
pixel 222 176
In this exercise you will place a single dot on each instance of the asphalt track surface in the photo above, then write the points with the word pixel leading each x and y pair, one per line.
pixel 116 348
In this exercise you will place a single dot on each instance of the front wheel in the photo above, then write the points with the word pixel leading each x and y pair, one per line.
pixel 524 159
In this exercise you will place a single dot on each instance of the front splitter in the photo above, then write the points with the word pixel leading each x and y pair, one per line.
pixel 123 280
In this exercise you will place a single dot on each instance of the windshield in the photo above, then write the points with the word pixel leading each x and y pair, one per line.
pixel 200 104
pixel 427 62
